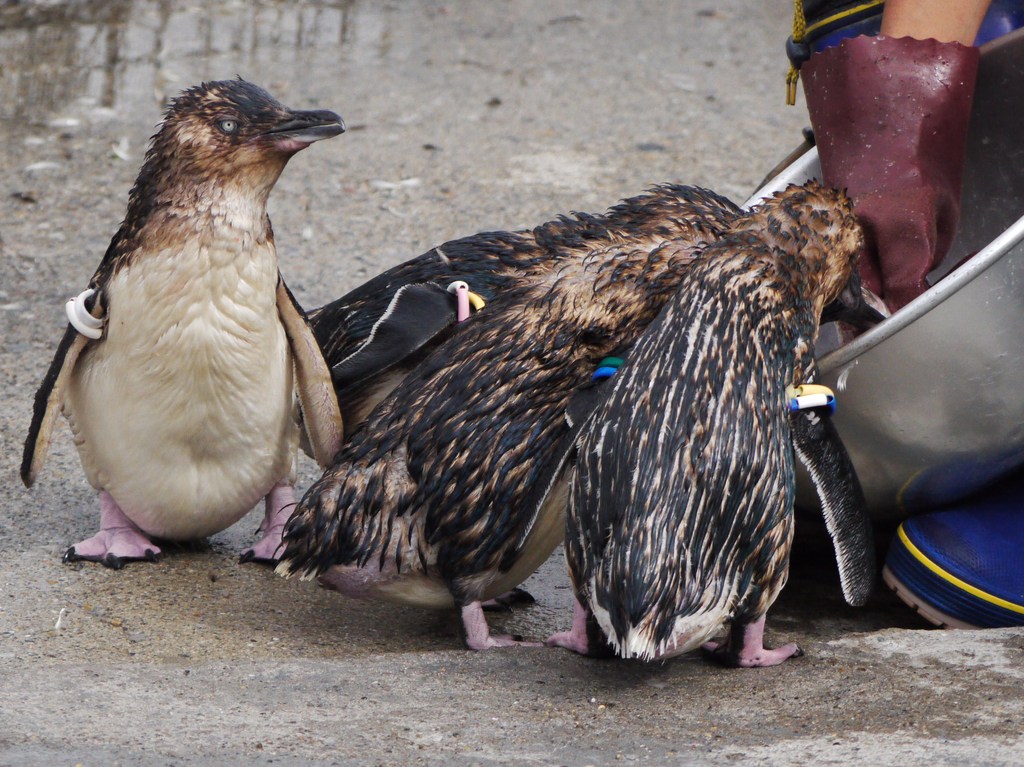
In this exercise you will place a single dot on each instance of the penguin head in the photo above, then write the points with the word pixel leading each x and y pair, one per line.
pixel 815 227
pixel 231 132
pixel 842 296
pixel 842 242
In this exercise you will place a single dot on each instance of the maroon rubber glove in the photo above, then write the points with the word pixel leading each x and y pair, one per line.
pixel 890 119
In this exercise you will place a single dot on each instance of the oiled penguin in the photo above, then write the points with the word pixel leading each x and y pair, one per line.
pixel 452 491
pixel 681 504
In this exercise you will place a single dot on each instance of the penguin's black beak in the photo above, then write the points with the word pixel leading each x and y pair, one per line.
pixel 856 306
pixel 299 129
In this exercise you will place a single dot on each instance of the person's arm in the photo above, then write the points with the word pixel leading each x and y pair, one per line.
pixel 944 20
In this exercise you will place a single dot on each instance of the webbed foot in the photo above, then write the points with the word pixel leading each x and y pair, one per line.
pixel 478 633
pixel 585 637
pixel 118 541
pixel 744 648
pixel 279 505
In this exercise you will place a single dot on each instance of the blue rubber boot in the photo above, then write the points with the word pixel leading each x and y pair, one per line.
pixel 964 567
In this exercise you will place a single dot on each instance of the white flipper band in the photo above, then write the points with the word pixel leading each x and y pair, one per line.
pixel 80 318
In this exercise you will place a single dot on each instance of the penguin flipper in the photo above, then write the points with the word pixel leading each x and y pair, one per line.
pixel 581 414
pixel 320 411
pixel 821 451
pixel 548 496
pixel 417 314
pixel 578 413
pixel 48 402
pixel 582 405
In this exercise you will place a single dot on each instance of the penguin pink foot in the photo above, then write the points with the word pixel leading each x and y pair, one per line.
pixel 279 505
pixel 118 541
pixel 585 637
pixel 478 633
pixel 574 639
pixel 744 648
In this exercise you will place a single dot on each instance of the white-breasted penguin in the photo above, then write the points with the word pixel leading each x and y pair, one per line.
pixel 681 506
pixel 179 369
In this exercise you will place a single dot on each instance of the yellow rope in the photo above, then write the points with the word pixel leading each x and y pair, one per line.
pixel 799 30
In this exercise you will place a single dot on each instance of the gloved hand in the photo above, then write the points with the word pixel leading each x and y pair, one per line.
pixel 890 118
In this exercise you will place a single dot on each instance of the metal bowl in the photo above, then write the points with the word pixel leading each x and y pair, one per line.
pixel 931 401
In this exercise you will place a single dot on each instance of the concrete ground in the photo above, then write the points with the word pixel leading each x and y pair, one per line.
pixel 462 117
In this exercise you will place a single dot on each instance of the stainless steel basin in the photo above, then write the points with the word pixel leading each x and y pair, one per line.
pixel 931 401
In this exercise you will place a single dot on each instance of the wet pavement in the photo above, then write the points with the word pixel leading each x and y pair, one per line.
pixel 462 117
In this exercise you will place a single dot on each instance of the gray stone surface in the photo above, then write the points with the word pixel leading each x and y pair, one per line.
pixel 462 117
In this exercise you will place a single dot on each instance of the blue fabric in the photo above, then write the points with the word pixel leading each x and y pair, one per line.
pixel 1003 17
pixel 869 26
pixel 928 587
pixel 981 542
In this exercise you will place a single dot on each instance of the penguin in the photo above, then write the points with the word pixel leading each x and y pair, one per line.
pixel 680 516
pixel 452 490
pixel 180 366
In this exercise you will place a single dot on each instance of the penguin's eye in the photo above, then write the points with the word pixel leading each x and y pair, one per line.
pixel 228 126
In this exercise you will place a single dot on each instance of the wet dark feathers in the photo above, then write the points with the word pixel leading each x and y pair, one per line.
pixel 445 461
pixel 702 490
pixel 685 484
